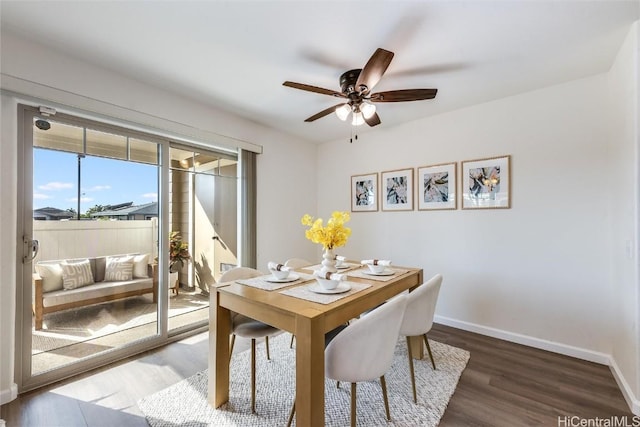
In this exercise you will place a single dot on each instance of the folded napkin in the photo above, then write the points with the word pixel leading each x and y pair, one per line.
pixel 384 262
pixel 278 267
pixel 330 276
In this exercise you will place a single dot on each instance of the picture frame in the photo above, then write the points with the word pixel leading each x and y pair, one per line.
pixel 364 192
pixel 486 183
pixel 437 187
pixel 397 190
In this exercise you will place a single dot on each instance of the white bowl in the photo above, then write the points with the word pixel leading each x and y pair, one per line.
pixel 376 268
pixel 328 284
pixel 338 262
pixel 280 274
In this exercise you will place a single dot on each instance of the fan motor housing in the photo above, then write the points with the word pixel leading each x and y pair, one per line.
pixel 348 80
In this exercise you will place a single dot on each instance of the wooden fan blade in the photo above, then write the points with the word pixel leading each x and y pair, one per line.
pixel 404 95
pixel 373 120
pixel 374 69
pixel 314 89
pixel 324 113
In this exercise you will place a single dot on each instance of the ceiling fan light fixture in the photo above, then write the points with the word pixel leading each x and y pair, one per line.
pixel 357 119
pixel 343 112
pixel 368 110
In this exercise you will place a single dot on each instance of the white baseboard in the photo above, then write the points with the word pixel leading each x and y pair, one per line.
pixel 579 353
pixel 567 350
pixel 7 395
pixel 632 401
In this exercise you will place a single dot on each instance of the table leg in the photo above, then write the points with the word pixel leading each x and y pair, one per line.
pixel 219 330
pixel 309 372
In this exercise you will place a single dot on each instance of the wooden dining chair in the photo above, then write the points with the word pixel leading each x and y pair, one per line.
pixel 363 351
pixel 418 319
pixel 296 263
pixel 247 327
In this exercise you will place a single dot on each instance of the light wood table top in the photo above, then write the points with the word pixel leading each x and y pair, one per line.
pixel 307 320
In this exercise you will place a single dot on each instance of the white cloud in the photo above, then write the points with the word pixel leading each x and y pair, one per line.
pixel 98 188
pixel 40 196
pixel 54 186
pixel 153 196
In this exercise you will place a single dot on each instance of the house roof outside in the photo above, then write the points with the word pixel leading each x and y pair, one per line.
pixel 52 213
pixel 127 209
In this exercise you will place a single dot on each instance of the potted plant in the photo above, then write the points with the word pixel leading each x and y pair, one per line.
pixel 178 252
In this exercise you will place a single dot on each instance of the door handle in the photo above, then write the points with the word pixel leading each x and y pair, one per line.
pixel 33 246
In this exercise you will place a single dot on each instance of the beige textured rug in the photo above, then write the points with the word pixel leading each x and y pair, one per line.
pixel 185 403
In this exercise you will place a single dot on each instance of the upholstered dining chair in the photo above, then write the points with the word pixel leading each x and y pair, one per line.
pixel 418 319
pixel 363 351
pixel 247 327
pixel 296 263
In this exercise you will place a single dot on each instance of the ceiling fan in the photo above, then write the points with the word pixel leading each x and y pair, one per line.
pixel 356 86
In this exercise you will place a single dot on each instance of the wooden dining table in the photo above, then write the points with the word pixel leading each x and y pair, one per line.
pixel 307 320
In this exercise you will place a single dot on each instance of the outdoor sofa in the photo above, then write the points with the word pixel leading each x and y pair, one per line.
pixel 72 283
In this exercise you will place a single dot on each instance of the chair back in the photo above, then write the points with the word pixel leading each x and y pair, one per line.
pixel 363 351
pixel 238 273
pixel 297 263
pixel 421 307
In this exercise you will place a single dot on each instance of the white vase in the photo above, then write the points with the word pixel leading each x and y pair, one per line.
pixel 328 262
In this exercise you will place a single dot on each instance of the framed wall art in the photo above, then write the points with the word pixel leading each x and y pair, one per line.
pixel 364 193
pixel 397 190
pixel 486 183
pixel 437 187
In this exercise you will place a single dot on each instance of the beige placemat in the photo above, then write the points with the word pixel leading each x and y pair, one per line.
pixel 303 292
pixel 361 273
pixel 262 282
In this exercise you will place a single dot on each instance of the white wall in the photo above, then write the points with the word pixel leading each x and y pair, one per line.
pixel 285 170
pixel 623 116
pixel 538 273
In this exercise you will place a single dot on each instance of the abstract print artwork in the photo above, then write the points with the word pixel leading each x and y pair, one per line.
pixel 364 193
pixel 437 187
pixel 397 190
pixel 486 183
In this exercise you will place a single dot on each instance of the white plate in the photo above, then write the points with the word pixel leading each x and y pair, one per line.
pixel 290 278
pixel 343 266
pixel 317 288
pixel 385 272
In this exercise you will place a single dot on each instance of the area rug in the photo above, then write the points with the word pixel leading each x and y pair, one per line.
pixel 185 403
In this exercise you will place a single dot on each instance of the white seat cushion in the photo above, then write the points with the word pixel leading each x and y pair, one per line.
pixel 95 291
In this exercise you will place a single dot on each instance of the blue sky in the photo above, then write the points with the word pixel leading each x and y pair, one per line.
pixel 102 181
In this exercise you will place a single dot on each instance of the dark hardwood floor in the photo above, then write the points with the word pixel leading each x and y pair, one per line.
pixel 504 384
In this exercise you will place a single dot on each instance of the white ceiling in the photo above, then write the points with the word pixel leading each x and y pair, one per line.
pixel 235 55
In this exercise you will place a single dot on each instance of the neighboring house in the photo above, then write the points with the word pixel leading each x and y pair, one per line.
pixel 51 214
pixel 127 211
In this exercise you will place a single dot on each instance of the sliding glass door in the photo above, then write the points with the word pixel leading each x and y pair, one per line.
pixel 102 280
pixel 203 213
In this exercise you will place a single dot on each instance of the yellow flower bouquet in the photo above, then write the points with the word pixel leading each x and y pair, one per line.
pixel 332 235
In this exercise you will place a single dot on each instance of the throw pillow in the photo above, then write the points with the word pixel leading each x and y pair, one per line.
pixel 118 269
pixel 140 263
pixel 76 274
pixel 51 275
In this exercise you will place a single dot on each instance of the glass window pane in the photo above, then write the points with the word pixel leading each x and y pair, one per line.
pixel 228 168
pixel 106 144
pixel 180 159
pixel 58 137
pixel 206 163
pixel 143 151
